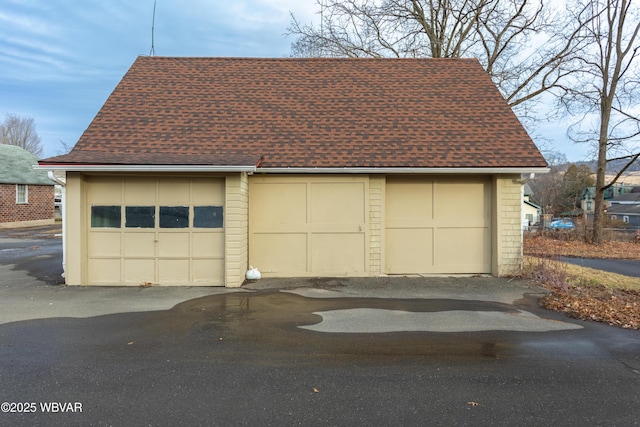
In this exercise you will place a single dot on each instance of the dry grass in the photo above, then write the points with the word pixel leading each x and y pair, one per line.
pixel 576 275
pixel 552 247
pixel 629 178
pixel 582 292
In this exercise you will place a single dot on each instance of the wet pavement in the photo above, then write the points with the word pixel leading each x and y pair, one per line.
pixel 384 351
pixel 249 359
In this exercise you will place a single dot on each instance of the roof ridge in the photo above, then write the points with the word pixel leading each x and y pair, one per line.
pixel 292 59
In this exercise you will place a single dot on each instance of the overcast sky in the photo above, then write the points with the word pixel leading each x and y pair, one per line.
pixel 60 59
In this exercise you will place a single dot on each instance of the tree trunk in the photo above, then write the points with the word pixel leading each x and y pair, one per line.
pixel 598 214
pixel 603 140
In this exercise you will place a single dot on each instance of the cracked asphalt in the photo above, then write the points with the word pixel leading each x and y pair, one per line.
pixel 330 351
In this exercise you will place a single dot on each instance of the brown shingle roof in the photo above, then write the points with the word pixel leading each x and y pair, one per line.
pixel 322 112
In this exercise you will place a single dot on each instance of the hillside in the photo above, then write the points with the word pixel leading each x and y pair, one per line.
pixel 629 178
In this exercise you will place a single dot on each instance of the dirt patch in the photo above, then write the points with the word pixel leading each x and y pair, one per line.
pixel 40 232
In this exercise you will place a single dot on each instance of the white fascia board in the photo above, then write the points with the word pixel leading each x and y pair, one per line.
pixel 147 168
pixel 468 171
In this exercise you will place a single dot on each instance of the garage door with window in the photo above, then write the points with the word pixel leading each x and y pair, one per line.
pixel 146 230
pixel 437 225
pixel 304 226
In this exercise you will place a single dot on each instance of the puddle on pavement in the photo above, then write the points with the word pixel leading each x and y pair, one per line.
pixel 272 322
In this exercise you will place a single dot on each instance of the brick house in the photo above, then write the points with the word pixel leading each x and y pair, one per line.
pixel 196 168
pixel 26 195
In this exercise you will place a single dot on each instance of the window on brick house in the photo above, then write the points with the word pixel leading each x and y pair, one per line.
pixel 22 194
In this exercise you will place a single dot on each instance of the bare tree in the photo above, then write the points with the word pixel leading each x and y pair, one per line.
pixel 20 131
pixel 576 180
pixel 524 46
pixel 388 28
pixel 498 32
pixel 548 190
pixel 604 91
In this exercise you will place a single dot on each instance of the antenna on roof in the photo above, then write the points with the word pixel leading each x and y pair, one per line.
pixel 153 26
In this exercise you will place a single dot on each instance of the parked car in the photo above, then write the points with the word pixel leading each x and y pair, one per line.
pixel 562 224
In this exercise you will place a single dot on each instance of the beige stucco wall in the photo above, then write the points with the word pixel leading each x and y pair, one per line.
pixel 507 228
pixel 236 229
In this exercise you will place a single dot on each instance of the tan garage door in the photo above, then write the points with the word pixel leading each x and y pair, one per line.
pixel 166 231
pixel 437 225
pixel 305 226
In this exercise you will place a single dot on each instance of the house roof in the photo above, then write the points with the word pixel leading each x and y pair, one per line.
pixel 610 193
pixel 533 205
pixel 16 167
pixel 627 198
pixel 306 113
pixel 623 210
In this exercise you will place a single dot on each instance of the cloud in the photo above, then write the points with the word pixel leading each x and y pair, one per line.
pixel 29 43
pixel 21 21
pixel 45 43
pixel 60 59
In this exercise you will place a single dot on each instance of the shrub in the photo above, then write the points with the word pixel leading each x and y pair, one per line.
pixel 546 272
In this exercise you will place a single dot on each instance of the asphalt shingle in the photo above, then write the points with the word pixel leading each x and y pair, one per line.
pixel 16 167
pixel 321 112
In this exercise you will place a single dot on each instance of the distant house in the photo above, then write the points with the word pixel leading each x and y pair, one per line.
pixel 530 211
pixel 26 195
pixel 625 208
pixel 587 200
pixel 196 168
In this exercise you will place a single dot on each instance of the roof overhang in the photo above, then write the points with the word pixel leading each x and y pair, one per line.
pixel 254 169
pixel 533 205
pixel 467 171
pixel 146 168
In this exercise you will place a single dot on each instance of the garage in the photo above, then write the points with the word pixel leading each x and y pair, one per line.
pixel 297 167
pixel 155 230
pixel 308 226
pixel 437 225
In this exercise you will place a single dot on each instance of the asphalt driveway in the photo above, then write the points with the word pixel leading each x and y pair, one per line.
pixel 620 266
pixel 385 351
